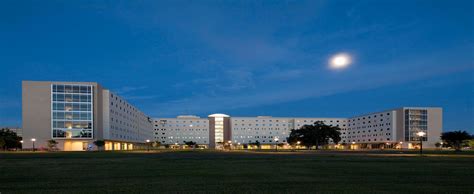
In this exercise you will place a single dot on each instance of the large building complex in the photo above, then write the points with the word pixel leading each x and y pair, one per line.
pixel 395 128
pixel 75 114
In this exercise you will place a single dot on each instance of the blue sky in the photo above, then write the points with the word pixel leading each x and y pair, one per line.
pixel 246 57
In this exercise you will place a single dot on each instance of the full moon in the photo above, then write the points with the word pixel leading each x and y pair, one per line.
pixel 340 61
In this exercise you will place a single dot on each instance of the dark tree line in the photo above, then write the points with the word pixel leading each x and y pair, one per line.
pixel 318 134
pixel 9 139
pixel 456 139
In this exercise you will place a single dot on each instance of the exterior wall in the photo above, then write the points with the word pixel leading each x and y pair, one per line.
pixel 124 122
pixel 435 126
pixel 374 128
pixel 183 128
pixel 36 113
pixel 265 129
pixel 262 129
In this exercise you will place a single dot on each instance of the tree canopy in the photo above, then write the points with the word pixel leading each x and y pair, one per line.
pixel 456 139
pixel 52 144
pixel 318 134
pixel 190 143
pixel 9 139
pixel 99 144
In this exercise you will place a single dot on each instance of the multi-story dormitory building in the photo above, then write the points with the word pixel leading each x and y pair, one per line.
pixel 75 114
pixel 393 129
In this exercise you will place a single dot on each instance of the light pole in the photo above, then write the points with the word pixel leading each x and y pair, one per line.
pixel 238 145
pixel 298 145
pixel 420 135
pixel 401 145
pixel 176 145
pixel 33 140
pixel 276 143
pixel 148 145
pixel 230 144
pixel 21 141
pixel 353 144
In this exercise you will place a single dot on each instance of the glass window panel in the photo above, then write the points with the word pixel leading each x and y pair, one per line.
pixel 60 124
pixel 84 98
pixel 83 116
pixel 76 116
pixel 76 107
pixel 76 133
pixel 68 97
pixel 75 89
pixel 68 89
pixel 84 107
pixel 68 115
pixel 59 88
pixel 68 124
pixel 83 89
pixel 60 115
pixel 68 107
pixel 76 98
pixel 59 133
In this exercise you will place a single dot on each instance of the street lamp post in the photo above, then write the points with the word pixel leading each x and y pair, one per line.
pixel 238 145
pixel 401 145
pixel 353 143
pixel 276 143
pixel 420 135
pixel 298 145
pixel 33 140
pixel 230 144
pixel 147 145
pixel 176 145
pixel 21 141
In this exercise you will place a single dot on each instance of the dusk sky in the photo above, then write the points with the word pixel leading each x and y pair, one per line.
pixel 247 58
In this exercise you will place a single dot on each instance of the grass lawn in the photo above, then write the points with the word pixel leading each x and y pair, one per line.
pixel 236 172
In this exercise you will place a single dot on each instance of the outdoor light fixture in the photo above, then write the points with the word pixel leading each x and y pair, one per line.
pixel 276 143
pixel 420 135
pixel 148 145
pixel 33 140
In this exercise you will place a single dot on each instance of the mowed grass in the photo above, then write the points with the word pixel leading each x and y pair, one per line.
pixel 235 172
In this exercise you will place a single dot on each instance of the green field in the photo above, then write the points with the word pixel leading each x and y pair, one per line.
pixel 237 172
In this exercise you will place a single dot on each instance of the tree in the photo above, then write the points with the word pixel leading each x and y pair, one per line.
pixel 52 144
pixel 257 143
pixel 9 139
pixel 191 144
pixel 99 144
pixel 438 145
pixel 156 144
pixel 318 134
pixel 456 139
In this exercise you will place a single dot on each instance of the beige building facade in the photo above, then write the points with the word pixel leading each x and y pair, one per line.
pixel 75 114
pixel 396 128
